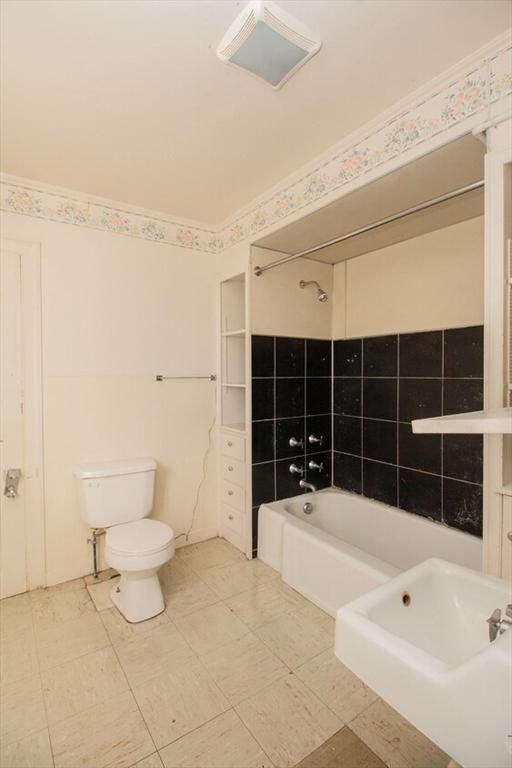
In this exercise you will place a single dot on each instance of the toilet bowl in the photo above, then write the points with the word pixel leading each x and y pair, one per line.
pixel 137 550
pixel 118 497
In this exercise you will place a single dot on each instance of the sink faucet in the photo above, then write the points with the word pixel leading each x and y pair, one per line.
pixel 309 486
pixel 497 625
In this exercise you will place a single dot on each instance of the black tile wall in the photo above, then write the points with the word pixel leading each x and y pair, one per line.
pixel 291 397
pixel 381 384
pixel 359 407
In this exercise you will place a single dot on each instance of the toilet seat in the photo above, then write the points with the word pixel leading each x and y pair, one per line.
pixel 139 538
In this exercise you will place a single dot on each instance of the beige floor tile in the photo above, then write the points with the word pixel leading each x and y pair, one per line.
pixel 336 685
pixel 295 637
pixel 13 606
pixel 59 607
pixel 210 628
pixel 153 761
pixel 18 656
pixel 120 631
pixel 100 593
pixel 188 596
pixel 179 700
pixel 343 750
pixel 265 602
pixel 174 573
pixel 82 683
pixel 395 740
pixel 63 642
pixel 152 653
pixel 224 742
pixel 243 667
pixel 229 580
pixel 209 554
pixel 15 616
pixel 31 752
pixel 22 710
pixel 66 586
pixel 111 734
pixel 314 613
pixel 288 721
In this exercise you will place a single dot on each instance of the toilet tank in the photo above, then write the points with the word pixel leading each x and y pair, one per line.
pixel 115 492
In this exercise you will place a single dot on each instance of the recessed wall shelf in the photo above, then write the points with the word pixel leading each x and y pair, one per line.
pixel 497 421
pixel 235 518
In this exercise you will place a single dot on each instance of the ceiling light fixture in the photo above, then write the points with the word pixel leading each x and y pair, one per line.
pixel 268 42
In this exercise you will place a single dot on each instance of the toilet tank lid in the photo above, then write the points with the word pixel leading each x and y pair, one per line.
pixel 111 468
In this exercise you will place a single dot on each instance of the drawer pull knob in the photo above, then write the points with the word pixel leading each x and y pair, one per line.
pixel 230 517
pixel 230 444
pixel 230 469
pixel 230 493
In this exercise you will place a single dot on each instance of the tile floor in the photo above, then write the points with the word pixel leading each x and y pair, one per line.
pixel 238 672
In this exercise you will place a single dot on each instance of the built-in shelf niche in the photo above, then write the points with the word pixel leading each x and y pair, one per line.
pixel 233 360
pixel 233 352
pixel 233 305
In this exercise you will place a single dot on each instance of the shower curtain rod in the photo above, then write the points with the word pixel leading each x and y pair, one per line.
pixel 369 227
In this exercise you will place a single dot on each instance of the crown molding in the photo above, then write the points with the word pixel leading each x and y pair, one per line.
pixel 442 109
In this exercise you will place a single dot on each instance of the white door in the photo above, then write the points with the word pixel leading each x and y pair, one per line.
pixel 13 553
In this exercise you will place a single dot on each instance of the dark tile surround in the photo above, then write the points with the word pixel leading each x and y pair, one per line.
pixel 369 393
pixel 381 385
pixel 291 397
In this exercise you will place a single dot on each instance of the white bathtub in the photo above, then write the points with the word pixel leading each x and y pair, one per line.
pixel 349 544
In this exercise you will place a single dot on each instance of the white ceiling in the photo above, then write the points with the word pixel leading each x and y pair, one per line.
pixel 126 99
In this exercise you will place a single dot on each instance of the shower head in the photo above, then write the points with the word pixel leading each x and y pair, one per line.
pixel 322 296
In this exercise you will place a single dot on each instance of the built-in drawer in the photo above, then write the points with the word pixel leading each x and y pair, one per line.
pixel 232 494
pixel 232 445
pixel 231 520
pixel 233 470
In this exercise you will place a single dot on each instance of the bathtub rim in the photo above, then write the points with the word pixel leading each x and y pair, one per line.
pixel 278 509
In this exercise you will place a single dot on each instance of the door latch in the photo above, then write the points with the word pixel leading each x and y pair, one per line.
pixel 12 478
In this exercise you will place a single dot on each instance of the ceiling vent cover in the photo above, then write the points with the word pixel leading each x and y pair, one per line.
pixel 267 42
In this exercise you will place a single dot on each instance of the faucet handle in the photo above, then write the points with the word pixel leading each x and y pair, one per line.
pixel 295 470
pixel 294 443
pixel 314 439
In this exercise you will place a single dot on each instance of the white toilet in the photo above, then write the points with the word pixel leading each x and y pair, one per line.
pixel 118 496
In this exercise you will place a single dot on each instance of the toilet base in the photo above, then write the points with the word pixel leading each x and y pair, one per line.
pixel 138 596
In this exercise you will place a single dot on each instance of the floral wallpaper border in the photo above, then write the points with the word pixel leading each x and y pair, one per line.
pixel 482 86
pixel 42 204
pixel 470 95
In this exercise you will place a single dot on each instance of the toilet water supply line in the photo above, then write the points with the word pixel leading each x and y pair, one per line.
pixel 94 541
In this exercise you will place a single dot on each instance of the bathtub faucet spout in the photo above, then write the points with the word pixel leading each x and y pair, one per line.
pixel 309 486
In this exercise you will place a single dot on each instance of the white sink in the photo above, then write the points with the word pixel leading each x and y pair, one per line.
pixel 421 641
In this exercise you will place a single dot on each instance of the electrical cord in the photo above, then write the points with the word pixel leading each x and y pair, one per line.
pixel 203 478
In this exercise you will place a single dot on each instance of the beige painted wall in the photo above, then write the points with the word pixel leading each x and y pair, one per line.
pixel 115 312
pixel 429 282
pixel 280 308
